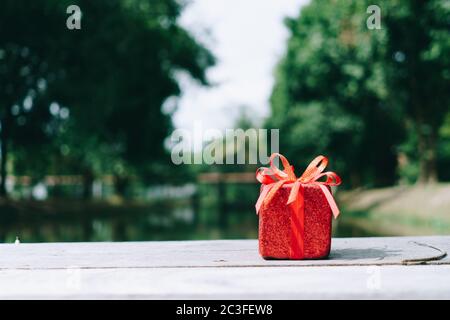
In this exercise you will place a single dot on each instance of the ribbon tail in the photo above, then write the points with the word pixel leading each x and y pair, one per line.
pixel 265 190
pixel 293 195
pixel 330 199
pixel 297 250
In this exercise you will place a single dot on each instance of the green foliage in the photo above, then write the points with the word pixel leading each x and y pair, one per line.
pixel 443 150
pixel 417 67
pixel 338 91
pixel 107 82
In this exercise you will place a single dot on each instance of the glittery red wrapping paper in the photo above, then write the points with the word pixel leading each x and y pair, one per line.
pixel 275 225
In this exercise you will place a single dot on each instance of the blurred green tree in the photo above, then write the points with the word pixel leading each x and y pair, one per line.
pixel 330 91
pixel 102 87
pixel 340 92
pixel 418 74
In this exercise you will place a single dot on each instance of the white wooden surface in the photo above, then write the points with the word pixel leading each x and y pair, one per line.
pixel 360 268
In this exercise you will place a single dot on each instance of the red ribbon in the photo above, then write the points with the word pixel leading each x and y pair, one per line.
pixel 272 179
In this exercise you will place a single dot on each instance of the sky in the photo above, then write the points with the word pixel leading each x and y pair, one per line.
pixel 248 38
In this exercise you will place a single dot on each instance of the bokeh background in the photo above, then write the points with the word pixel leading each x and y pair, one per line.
pixel 85 115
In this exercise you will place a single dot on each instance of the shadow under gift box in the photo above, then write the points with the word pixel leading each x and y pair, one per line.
pixel 275 225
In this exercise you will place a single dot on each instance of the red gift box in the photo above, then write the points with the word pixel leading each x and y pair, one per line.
pixel 295 213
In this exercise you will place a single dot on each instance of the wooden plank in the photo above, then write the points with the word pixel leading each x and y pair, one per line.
pixel 220 253
pixel 358 268
pixel 351 282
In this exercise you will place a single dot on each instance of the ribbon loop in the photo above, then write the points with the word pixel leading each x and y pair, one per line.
pixel 276 178
pixel 287 173
pixel 332 179
pixel 314 169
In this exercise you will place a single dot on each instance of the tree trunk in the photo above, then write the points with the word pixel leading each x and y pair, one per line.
pixel 4 158
pixel 88 180
pixel 432 157
pixel 121 184
pixel 427 155
pixel 355 179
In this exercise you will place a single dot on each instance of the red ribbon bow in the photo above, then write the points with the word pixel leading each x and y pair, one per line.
pixel 287 176
pixel 273 179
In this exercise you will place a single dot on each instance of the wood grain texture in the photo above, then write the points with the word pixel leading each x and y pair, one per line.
pixel 217 253
pixel 230 269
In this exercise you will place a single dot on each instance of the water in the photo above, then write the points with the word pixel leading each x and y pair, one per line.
pixel 67 222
